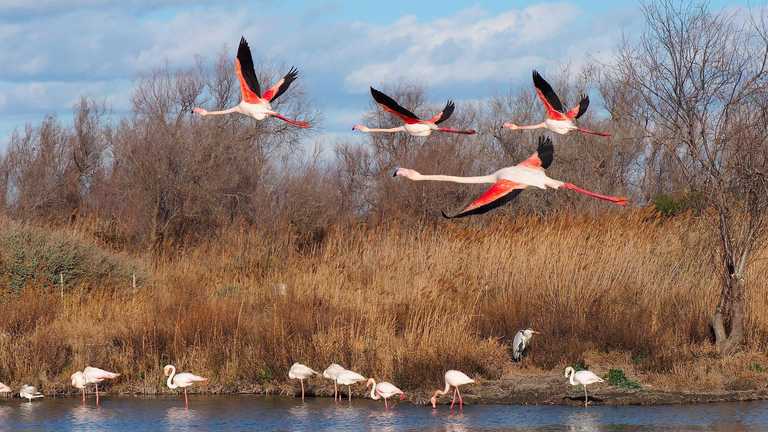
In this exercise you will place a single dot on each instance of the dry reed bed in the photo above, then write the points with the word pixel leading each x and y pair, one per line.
pixel 396 302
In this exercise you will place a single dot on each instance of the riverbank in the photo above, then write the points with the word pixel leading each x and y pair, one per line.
pixel 399 303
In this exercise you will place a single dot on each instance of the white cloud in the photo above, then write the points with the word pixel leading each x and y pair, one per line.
pixel 470 46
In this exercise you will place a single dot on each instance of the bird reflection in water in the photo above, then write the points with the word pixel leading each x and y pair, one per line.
pixel 582 421
pixel 179 416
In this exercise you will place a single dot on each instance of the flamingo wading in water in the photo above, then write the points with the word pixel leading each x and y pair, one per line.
pixel 383 390
pixel 348 378
pixel 510 181
pixel 300 372
pixel 453 378
pixel 254 103
pixel 332 372
pixel 413 124
pixel 91 375
pixel 29 392
pixel 582 378
pixel 558 119
pixel 181 379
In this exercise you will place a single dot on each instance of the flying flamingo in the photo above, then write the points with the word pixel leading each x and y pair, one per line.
pixel 584 378
pixel 332 372
pixel 558 120
pixel 91 375
pixel 453 378
pixel 348 378
pixel 254 103
pixel 29 392
pixel 182 379
pixel 383 390
pixel 300 372
pixel 510 181
pixel 413 125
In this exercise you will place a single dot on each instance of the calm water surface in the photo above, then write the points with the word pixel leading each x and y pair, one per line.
pixel 264 414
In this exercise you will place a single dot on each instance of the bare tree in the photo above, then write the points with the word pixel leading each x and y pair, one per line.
pixel 701 82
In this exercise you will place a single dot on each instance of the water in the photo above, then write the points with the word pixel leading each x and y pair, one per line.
pixel 264 414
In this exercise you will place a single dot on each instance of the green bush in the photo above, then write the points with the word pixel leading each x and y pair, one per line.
pixel 617 378
pixel 671 205
pixel 30 255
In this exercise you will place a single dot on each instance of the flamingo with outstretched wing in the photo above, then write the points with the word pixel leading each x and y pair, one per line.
pixel 253 102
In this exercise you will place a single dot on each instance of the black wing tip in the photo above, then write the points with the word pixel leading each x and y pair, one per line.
pixel 292 74
pixel 546 151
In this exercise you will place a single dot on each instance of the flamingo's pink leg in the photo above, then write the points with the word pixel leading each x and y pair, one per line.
pixel 186 400
pixel 302 389
pixel 461 400
pixel 453 401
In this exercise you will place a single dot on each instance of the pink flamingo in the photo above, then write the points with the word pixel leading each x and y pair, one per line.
pixel 383 390
pixel 182 379
pixel 510 181
pixel 413 125
pixel 558 120
pixel 301 372
pixel 91 375
pixel 254 103
pixel 453 378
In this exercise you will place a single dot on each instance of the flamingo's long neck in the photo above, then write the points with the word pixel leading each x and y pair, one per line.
pixel 390 130
pixel 445 390
pixel 533 126
pixel 226 111
pixel 374 395
pixel 571 373
pixel 170 383
pixel 455 179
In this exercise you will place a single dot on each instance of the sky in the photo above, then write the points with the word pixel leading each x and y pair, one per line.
pixel 54 51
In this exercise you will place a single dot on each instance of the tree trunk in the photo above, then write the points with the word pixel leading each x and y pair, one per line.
pixel 728 321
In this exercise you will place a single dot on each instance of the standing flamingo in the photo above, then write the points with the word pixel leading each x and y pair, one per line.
pixel 413 125
pixel 29 392
pixel 383 390
pixel 510 181
pixel 182 379
pixel 332 372
pixel 254 103
pixel 300 372
pixel 584 378
pixel 453 378
pixel 348 378
pixel 558 120
pixel 91 375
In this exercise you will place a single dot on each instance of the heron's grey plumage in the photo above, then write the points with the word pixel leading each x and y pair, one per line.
pixel 520 343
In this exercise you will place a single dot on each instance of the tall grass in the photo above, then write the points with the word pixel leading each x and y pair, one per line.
pixel 396 302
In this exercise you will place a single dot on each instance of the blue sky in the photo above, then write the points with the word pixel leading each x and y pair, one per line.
pixel 54 51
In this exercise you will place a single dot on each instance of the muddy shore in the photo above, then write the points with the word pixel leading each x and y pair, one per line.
pixel 534 389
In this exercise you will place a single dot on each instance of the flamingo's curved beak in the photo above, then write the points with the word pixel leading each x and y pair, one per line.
pixel 402 396
pixel 394 172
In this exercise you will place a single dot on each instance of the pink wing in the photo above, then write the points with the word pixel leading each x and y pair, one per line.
pixel 185 379
pixel 93 374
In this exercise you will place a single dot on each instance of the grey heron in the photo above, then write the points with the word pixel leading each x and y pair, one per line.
pixel 520 343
